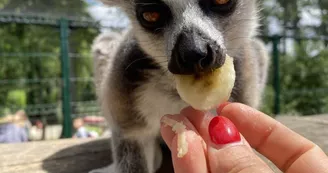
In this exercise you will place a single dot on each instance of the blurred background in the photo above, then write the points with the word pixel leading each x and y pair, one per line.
pixel 46 69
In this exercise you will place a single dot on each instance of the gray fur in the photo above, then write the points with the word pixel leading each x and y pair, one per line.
pixel 135 88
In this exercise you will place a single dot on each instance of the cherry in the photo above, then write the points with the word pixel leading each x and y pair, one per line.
pixel 223 131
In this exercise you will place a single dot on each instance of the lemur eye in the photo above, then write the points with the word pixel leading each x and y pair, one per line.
pixel 221 7
pixel 153 16
pixel 221 2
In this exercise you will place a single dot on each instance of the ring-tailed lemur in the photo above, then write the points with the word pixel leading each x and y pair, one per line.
pixel 134 71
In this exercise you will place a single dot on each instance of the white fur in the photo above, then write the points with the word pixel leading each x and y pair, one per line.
pixel 151 101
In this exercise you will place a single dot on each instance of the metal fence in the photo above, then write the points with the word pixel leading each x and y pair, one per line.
pixel 63 28
pixel 274 101
pixel 298 81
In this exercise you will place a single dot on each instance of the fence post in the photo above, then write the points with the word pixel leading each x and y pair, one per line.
pixel 65 69
pixel 276 77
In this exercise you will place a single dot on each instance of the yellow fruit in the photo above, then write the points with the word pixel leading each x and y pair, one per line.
pixel 209 90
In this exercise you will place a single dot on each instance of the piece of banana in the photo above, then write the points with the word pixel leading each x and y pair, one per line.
pixel 179 128
pixel 209 90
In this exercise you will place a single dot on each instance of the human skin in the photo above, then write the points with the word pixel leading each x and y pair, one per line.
pixel 289 151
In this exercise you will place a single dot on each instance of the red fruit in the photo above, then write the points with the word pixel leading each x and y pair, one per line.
pixel 223 131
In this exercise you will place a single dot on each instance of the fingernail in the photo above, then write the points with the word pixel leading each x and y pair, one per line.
pixel 222 131
pixel 221 106
pixel 162 119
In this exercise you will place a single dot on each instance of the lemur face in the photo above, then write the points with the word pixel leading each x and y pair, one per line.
pixel 191 36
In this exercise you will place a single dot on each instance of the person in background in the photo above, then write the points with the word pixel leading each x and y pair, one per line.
pixel 36 131
pixel 81 131
pixel 12 129
pixel 93 134
pixel 21 119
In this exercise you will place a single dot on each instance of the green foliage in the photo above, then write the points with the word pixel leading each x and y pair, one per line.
pixel 17 97
pixel 303 79
pixel 268 101
pixel 306 84
pixel 3 3
pixel 71 8
pixel 30 57
pixel 20 42
pixel 303 72
pixel 289 13
pixel 83 65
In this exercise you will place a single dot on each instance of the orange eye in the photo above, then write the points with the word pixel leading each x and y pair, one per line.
pixel 151 16
pixel 221 2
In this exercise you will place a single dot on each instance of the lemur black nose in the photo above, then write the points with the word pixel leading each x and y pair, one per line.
pixel 193 53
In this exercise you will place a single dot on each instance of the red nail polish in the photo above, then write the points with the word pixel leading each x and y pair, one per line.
pixel 223 131
pixel 221 106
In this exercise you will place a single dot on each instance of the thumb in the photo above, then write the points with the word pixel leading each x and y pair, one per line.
pixel 229 152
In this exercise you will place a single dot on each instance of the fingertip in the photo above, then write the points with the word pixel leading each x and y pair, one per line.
pixel 167 123
pixel 163 117
pixel 221 106
pixel 194 160
pixel 238 112
pixel 166 131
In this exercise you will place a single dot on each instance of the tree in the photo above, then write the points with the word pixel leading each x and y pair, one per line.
pixel 300 60
pixel 53 8
pixel 32 53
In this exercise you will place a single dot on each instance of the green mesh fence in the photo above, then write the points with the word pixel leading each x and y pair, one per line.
pixel 46 69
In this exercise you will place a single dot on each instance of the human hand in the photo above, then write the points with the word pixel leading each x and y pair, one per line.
pixel 289 151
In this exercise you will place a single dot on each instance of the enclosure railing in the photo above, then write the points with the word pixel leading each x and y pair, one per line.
pixel 64 25
pixel 276 55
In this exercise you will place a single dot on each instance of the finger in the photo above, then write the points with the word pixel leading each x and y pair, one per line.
pixel 231 157
pixel 194 160
pixel 221 106
pixel 237 158
pixel 314 160
pixel 200 120
pixel 269 137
